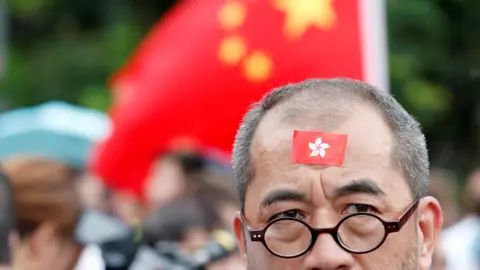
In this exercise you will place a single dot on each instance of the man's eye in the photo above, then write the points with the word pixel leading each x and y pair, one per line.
pixel 288 214
pixel 359 208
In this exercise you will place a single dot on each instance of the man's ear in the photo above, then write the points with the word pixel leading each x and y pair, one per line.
pixel 430 221
pixel 42 238
pixel 239 230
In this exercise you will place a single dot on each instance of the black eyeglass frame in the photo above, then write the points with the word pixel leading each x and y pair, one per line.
pixel 391 226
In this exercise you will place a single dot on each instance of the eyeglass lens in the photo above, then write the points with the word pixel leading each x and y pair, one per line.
pixel 359 233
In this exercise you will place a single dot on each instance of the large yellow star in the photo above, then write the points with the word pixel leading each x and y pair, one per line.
pixel 302 14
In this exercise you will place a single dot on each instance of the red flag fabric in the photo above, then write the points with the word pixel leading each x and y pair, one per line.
pixel 201 66
pixel 313 147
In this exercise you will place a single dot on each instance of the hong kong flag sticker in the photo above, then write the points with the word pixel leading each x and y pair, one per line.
pixel 314 147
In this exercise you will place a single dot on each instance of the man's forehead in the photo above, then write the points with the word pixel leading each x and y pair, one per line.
pixel 278 124
pixel 368 136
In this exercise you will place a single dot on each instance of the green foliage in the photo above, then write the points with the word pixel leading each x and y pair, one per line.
pixel 434 60
pixel 67 50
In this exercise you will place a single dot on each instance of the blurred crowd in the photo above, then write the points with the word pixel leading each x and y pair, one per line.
pixel 190 201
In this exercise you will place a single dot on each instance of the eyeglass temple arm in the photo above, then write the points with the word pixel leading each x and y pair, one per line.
pixel 408 214
pixel 255 235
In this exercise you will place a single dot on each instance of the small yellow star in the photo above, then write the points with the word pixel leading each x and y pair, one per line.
pixel 232 50
pixel 257 66
pixel 301 14
pixel 232 14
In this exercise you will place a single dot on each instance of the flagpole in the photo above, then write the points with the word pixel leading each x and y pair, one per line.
pixel 373 31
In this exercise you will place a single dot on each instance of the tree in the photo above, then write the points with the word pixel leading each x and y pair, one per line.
pixel 66 50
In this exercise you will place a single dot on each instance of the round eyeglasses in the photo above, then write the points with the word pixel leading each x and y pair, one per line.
pixel 358 233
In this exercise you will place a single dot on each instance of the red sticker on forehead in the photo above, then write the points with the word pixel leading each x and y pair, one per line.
pixel 313 147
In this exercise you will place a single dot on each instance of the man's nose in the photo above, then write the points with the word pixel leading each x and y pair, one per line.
pixel 326 254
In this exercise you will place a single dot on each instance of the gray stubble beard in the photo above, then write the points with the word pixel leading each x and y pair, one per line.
pixel 411 261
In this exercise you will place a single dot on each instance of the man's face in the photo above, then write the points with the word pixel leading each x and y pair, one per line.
pixel 321 196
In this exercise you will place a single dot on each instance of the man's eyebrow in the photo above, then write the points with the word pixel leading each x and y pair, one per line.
pixel 279 195
pixel 365 186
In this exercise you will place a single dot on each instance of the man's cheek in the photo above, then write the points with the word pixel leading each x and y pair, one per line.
pixel 387 256
pixel 273 262
pixel 375 261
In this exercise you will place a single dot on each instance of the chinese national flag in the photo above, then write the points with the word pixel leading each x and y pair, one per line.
pixel 202 65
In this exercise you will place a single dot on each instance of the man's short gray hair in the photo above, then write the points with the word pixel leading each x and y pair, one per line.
pixel 409 154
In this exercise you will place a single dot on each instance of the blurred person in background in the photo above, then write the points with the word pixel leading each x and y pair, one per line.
pixel 188 223
pixel 93 193
pixel 170 179
pixel 190 219
pixel 47 208
pixel 216 189
pixel 206 202
pixel 216 192
pixel 461 241
pixel 175 229
pixel 96 196
pixel 167 180
pixel 185 221
pixel 6 221
pixel 443 185
pixel 172 176
pixel 182 173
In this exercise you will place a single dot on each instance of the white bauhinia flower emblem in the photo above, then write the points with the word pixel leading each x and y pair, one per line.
pixel 318 148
